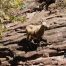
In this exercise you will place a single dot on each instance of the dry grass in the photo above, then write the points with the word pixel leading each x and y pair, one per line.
pixel 9 12
pixel 61 3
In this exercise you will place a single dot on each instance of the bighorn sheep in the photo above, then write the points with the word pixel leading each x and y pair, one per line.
pixel 36 31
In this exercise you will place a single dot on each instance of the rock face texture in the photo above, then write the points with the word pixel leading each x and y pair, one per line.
pixel 17 51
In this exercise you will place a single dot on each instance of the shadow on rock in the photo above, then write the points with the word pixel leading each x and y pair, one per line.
pixel 27 45
pixel 16 60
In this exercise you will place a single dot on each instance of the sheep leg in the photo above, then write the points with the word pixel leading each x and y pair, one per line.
pixel 46 6
pixel 42 5
pixel 28 37
pixel 44 40
pixel 36 41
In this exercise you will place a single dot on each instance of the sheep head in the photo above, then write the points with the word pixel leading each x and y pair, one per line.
pixel 45 24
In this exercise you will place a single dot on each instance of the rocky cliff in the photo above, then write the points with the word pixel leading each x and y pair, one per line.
pixel 15 50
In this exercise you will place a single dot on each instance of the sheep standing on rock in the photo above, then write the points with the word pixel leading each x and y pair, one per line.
pixel 36 31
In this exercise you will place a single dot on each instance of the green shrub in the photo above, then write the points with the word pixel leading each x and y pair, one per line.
pixel 6 15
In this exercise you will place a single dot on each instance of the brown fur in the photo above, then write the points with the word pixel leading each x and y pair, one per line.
pixel 35 31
